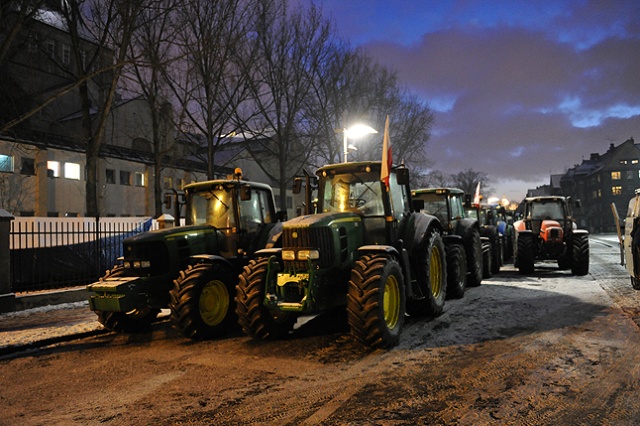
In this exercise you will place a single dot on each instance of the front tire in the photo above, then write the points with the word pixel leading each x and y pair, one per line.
pixel 524 253
pixel 456 271
pixel 200 302
pixel 254 317
pixel 376 301
pixel 580 260
pixel 473 248
pixel 432 279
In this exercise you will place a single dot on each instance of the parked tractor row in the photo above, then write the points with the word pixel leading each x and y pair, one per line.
pixel 371 247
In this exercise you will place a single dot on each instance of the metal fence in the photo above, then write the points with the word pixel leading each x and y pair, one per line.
pixel 49 253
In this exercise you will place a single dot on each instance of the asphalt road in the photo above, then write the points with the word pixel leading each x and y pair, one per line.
pixel 544 349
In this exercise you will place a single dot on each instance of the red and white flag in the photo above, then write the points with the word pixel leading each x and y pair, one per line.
pixel 387 161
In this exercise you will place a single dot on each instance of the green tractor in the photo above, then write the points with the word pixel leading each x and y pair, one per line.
pixel 492 239
pixel 193 270
pixel 462 240
pixel 365 249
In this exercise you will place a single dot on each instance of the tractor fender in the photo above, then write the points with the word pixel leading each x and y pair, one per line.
pixel 399 253
pixel 452 239
pixel 268 252
pixel 424 225
pixel 580 232
pixel 213 259
pixel 523 231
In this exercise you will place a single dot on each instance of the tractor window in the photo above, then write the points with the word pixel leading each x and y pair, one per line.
pixel 399 197
pixel 351 192
pixel 457 206
pixel 213 207
pixel 435 205
pixel 255 211
pixel 547 210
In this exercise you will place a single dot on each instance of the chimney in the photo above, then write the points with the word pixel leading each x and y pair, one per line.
pixel 594 156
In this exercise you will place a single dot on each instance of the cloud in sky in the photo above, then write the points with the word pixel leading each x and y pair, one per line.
pixel 520 89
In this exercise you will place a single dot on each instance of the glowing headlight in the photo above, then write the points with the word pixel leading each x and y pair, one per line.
pixel 308 254
pixel 136 263
pixel 288 255
pixel 127 264
pixel 145 263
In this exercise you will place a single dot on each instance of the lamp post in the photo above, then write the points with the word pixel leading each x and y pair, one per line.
pixel 354 132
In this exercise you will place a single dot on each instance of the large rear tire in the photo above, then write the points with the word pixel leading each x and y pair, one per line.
pixel 496 251
pixel 456 271
pixel 135 321
pixel 580 260
pixel 432 279
pixel 376 301
pixel 524 253
pixel 201 301
pixel 473 249
pixel 487 256
pixel 254 317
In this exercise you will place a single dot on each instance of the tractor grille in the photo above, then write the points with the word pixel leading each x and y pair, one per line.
pixel 315 238
pixel 554 233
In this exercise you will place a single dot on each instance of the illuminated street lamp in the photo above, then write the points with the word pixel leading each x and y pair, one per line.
pixel 354 132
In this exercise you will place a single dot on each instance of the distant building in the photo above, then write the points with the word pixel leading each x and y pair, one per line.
pixel 601 180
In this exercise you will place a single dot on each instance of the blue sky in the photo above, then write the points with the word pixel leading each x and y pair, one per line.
pixel 520 89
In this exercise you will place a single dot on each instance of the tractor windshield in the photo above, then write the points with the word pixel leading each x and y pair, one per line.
pixel 361 193
pixel 213 206
pixel 547 210
pixel 436 205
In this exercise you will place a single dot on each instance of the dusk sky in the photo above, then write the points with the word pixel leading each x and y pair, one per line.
pixel 520 89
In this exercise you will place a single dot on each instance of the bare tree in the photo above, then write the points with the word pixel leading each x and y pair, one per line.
pixel 468 181
pixel 150 56
pixel 206 81
pixel 289 47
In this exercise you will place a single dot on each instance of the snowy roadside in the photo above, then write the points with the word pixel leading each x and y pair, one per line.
pixel 46 323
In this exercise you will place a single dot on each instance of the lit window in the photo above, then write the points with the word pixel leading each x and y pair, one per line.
pixel 53 168
pixel 615 175
pixel 634 161
pixel 6 163
pixel 599 193
pixel 624 161
pixel 72 171
pixel 616 190
pixel 180 183
pixel 138 179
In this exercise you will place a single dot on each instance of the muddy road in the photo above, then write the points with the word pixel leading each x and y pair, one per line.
pixel 544 349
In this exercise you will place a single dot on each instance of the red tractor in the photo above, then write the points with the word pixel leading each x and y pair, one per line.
pixel 548 232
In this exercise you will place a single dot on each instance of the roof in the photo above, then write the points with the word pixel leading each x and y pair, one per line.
pixel 438 191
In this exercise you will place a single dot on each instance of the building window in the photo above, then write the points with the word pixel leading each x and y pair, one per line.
pixel 180 183
pixel 616 190
pixel 27 213
pixel 83 60
pixel 28 166
pixel 634 161
pixel 51 48
pixel 125 178
pixel 599 193
pixel 66 54
pixel 72 171
pixel 6 163
pixel 629 174
pixel 53 169
pixel 110 176
pixel 138 179
pixel 615 175
pixel 624 161
pixel 71 214
pixel 167 183
pixel 53 214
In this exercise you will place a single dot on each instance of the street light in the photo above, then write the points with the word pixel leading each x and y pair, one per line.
pixel 354 132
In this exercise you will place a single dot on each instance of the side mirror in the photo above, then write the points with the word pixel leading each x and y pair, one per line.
pixel 245 192
pixel 418 205
pixel 467 200
pixel 402 176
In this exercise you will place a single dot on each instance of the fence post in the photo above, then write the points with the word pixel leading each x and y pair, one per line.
pixel 7 298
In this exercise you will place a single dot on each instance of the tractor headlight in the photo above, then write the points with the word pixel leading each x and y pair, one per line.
pixel 288 255
pixel 308 254
pixel 145 264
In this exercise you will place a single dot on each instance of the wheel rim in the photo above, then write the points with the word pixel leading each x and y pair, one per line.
pixel 435 272
pixel 214 302
pixel 391 302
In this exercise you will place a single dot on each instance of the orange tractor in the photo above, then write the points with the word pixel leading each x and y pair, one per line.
pixel 548 232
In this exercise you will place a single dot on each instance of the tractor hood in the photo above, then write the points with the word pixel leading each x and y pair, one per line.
pixel 322 219
pixel 171 233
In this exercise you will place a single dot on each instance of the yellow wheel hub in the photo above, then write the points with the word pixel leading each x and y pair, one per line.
pixel 391 303
pixel 214 302
pixel 435 272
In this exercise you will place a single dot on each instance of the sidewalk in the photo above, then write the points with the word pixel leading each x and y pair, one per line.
pixel 47 318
